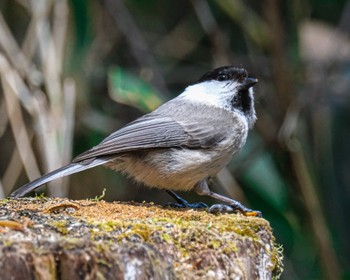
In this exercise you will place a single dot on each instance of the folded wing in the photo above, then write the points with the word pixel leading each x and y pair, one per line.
pixel 148 132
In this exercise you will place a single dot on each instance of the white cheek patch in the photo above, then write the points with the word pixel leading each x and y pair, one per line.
pixel 213 93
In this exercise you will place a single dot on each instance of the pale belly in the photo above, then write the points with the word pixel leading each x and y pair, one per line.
pixel 175 169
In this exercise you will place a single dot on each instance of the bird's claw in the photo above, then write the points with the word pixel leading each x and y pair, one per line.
pixel 223 208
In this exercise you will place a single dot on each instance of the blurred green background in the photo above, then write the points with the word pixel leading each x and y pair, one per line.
pixel 74 71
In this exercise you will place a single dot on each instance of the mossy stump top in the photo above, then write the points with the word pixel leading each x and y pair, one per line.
pixel 51 238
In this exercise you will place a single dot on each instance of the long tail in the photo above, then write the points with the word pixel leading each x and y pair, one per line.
pixel 58 173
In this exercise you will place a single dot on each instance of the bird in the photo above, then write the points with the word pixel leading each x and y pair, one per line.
pixel 180 145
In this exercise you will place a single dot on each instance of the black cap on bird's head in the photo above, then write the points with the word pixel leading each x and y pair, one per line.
pixel 230 73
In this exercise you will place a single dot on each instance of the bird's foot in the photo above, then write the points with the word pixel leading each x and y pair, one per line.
pixel 182 203
pixel 234 208
pixel 186 204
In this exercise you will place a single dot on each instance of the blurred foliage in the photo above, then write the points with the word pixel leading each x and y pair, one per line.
pixel 123 58
pixel 129 89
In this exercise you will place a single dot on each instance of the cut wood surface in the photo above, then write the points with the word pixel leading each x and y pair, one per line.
pixel 51 238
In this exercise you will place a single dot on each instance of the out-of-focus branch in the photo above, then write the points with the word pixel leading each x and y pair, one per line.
pixel 252 25
pixel 282 74
pixel 289 111
pixel 138 46
pixel 308 192
pixel 10 47
pixel 2 192
pixel 318 222
pixel 12 171
pixel 3 115
pixel 56 120
pixel 59 31
pixel 218 38
pixel 69 93
pixel 52 112
pixel 24 3
pixel 18 125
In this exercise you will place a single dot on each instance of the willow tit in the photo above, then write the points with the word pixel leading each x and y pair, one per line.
pixel 183 143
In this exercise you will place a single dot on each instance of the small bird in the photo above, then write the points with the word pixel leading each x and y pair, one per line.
pixel 182 144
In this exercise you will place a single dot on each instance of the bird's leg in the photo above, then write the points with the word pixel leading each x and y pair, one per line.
pixel 232 206
pixel 182 203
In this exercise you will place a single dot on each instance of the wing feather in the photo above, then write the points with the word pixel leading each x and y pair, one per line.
pixel 148 132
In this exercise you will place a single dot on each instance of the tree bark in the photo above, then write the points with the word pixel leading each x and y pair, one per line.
pixel 46 238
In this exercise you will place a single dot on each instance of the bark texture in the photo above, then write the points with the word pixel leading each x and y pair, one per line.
pixel 45 238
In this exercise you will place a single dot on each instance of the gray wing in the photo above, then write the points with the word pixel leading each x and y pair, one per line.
pixel 149 132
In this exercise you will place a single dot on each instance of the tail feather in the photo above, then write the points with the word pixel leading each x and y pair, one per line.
pixel 58 173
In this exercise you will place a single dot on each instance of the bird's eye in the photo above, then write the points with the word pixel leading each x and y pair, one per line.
pixel 222 77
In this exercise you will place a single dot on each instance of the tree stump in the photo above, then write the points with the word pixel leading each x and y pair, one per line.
pixel 51 238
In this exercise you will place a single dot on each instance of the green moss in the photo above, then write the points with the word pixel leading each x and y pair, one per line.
pixel 100 197
pixel 4 200
pixel 107 226
pixel 167 238
pixel 215 244
pixel 7 243
pixel 277 258
pixel 60 226
pixel 229 248
pixel 142 230
pixel 40 196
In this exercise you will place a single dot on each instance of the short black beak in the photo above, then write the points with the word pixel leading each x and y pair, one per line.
pixel 249 82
